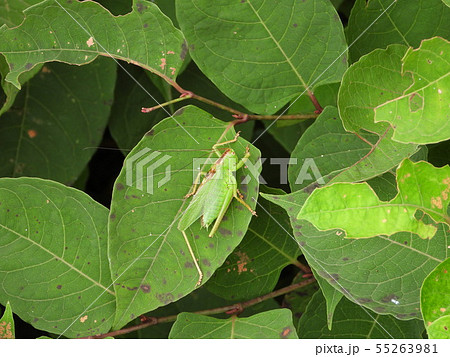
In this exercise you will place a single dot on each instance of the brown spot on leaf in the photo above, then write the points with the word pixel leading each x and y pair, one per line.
pixel 28 65
pixel 165 298
pixel 286 332
pixel 141 7
pixel 179 112
pixel 311 188
pixel 59 287
pixel 224 231
pixel 145 288
pixel 206 262
pixel 188 265
pixel 242 262
pixel 32 133
pixel 184 50
pixel 150 133
pixel 6 330
pixel 119 186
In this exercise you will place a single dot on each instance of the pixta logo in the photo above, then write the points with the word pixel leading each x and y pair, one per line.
pixel 142 165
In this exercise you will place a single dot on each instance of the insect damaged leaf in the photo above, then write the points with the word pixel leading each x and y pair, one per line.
pixel 421 186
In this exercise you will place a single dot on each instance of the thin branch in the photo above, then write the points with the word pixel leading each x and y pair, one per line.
pixel 314 100
pixel 229 309
pixel 236 113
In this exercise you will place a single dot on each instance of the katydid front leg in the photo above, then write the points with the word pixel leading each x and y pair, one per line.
pixel 214 195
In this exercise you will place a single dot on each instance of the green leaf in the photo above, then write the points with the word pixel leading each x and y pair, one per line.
pixel 260 55
pixel 254 267
pixel 405 22
pixel 148 254
pixel 446 2
pixel 375 79
pixel 270 324
pixel 76 35
pixel 384 273
pixel 331 148
pixel 53 260
pixel 332 298
pixel 421 186
pixel 57 121
pixel 12 15
pixel 421 114
pixel 353 322
pixel 435 301
pixel 439 328
pixel 9 90
pixel 327 153
pixel 7 323
pixel 12 11
pixel 127 123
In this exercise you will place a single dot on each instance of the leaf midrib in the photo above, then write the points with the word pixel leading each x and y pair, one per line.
pixel 279 47
pixel 59 259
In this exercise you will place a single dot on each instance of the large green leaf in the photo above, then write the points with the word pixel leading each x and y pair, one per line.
pixel 383 273
pixel 327 153
pixel 57 121
pixel 7 323
pixel 421 186
pixel 421 114
pixel 435 301
pixel 254 267
pixel 261 55
pixel 270 324
pixel 353 321
pixel 148 254
pixel 405 22
pixel 375 79
pixel 53 262
pixel 78 32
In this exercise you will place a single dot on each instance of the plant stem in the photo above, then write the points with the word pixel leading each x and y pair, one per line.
pixel 314 100
pixel 230 309
pixel 176 100
pixel 236 113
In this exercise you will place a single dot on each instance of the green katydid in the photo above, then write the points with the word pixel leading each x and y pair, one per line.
pixel 214 194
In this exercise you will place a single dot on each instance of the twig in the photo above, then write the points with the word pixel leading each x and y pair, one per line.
pixel 242 117
pixel 230 309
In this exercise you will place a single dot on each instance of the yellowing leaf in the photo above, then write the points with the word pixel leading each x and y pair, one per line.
pixel 421 114
pixel 345 206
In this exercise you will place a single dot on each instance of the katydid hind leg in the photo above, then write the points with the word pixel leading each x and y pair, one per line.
pixel 200 273
pixel 223 209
